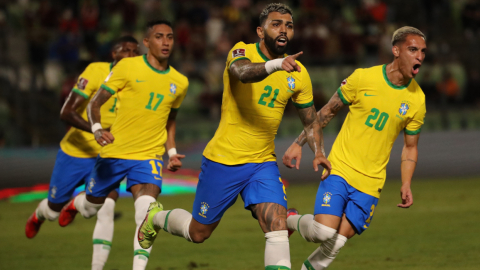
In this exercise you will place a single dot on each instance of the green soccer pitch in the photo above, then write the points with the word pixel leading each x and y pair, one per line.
pixel 440 231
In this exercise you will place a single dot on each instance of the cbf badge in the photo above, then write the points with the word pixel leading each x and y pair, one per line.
pixel 173 88
pixel 54 191
pixel 91 184
pixel 327 196
pixel 203 209
pixel 403 108
pixel 291 83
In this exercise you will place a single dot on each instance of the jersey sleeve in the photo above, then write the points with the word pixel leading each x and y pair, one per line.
pixel 303 98
pixel 239 52
pixel 85 85
pixel 414 126
pixel 117 79
pixel 178 101
pixel 349 87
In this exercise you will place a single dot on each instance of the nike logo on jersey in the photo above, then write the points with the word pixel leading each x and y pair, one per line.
pixel 367 95
pixel 140 81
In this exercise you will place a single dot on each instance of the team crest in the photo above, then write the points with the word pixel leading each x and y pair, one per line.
pixel 291 82
pixel 203 209
pixel 326 199
pixel 91 184
pixel 53 192
pixel 82 83
pixel 403 108
pixel 173 88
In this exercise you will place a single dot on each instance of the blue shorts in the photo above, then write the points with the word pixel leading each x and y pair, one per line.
pixel 336 197
pixel 109 172
pixel 219 185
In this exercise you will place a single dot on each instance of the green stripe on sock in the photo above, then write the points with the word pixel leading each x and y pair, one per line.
pixel 298 225
pixel 166 221
pixel 101 242
pixel 276 267
pixel 308 265
pixel 141 252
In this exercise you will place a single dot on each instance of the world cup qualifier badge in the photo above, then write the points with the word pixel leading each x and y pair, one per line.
pixel 327 196
pixel 82 83
pixel 203 209
pixel 238 52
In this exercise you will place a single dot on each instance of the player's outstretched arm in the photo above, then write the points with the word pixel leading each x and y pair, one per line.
pixel 174 161
pixel 248 72
pixel 409 162
pixel 294 152
pixel 69 113
pixel 314 137
pixel 102 136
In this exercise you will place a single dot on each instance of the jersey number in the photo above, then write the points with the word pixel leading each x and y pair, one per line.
pixel 149 105
pixel 155 171
pixel 381 121
pixel 268 88
pixel 372 210
pixel 113 107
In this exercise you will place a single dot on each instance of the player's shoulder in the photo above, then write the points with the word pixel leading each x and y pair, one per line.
pixel 98 66
pixel 178 76
pixel 132 60
pixel 416 89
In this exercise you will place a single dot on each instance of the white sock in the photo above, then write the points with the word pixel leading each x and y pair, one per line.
pixel 84 207
pixel 176 222
pixel 45 212
pixel 277 250
pixel 140 255
pixel 103 234
pixel 309 229
pixel 323 256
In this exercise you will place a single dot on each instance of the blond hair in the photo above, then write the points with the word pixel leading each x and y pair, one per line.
pixel 400 35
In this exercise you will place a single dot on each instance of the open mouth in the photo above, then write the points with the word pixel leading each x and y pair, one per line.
pixel 282 41
pixel 165 51
pixel 416 69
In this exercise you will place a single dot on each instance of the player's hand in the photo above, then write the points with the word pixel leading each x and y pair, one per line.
pixel 103 137
pixel 407 197
pixel 174 162
pixel 320 159
pixel 289 64
pixel 294 152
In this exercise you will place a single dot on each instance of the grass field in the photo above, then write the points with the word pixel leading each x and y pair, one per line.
pixel 439 232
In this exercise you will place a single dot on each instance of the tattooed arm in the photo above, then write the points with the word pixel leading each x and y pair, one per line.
pixel 314 137
pixel 326 114
pixel 407 167
pixel 248 72
pixel 102 136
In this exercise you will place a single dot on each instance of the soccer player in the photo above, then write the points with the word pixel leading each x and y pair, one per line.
pixel 383 100
pixel 149 92
pixel 78 151
pixel 259 79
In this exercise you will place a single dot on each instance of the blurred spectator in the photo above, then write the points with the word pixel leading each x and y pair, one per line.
pixel 448 88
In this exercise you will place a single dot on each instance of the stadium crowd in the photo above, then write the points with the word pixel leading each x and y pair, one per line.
pixel 44 45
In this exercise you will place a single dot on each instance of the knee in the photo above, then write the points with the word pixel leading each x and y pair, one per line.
pixel 320 233
pixel 199 236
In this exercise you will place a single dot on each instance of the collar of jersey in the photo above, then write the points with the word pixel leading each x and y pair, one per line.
pixel 111 66
pixel 396 87
pixel 263 55
pixel 154 69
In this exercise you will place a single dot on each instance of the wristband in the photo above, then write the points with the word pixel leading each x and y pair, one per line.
pixel 274 65
pixel 96 127
pixel 172 152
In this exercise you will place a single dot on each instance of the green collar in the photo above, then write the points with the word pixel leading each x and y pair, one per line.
pixel 111 66
pixel 261 53
pixel 154 69
pixel 396 87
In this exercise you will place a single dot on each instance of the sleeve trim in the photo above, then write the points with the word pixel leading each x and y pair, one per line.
pixel 76 90
pixel 108 89
pixel 240 58
pixel 340 94
pixel 175 109
pixel 412 132
pixel 303 106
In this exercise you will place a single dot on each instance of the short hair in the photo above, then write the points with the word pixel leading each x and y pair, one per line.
pixel 400 35
pixel 274 7
pixel 151 24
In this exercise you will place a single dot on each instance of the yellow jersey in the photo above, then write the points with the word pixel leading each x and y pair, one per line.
pixel 378 111
pixel 252 112
pixel 145 98
pixel 79 143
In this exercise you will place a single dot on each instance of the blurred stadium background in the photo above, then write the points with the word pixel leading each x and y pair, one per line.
pixel 45 45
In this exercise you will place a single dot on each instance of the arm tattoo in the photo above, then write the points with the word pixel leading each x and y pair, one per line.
pixel 248 72
pixel 312 128
pixel 271 216
pixel 408 159
pixel 326 114
pixel 93 108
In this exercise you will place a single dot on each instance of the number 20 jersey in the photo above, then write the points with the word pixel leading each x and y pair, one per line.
pixel 379 110
pixel 145 98
pixel 252 112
